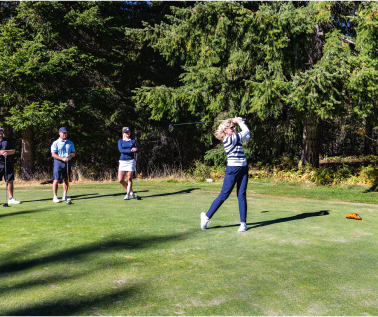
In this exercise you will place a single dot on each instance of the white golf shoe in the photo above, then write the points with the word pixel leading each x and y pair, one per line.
pixel 243 227
pixel 204 221
pixel 13 201
pixel 126 197
pixel 56 199
pixel 132 194
pixel 64 197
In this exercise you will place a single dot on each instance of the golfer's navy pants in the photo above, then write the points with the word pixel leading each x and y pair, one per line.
pixel 238 175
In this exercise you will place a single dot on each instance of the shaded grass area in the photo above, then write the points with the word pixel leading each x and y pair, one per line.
pixel 103 255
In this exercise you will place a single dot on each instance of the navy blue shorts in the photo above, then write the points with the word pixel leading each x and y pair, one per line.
pixel 10 172
pixel 60 169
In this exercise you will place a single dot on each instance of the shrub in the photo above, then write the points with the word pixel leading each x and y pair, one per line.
pixel 200 171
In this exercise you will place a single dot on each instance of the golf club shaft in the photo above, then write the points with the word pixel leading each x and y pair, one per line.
pixel 136 175
pixel 68 183
pixel 6 181
pixel 200 122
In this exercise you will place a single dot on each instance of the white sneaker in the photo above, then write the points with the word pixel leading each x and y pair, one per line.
pixel 56 199
pixel 13 201
pixel 132 194
pixel 64 197
pixel 243 227
pixel 204 221
pixel 126 197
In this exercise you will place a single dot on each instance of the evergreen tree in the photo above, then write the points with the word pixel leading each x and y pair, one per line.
pixel 59 62
pixel 244 58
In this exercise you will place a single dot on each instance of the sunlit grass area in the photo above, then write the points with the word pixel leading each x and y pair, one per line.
pixel 103 255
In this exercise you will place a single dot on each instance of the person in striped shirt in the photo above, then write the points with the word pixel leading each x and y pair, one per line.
pixel 236 171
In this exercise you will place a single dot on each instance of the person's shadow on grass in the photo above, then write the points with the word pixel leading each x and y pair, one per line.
pixel 46 199
pixel 184 191
pixel 279 220
pixel 97 195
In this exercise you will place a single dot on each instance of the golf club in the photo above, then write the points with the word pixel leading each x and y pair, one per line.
pixel 68 187
pixel 136 180
pixel 6 183
pixel 170 128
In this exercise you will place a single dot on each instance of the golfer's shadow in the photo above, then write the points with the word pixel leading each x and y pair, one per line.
pixel 96 195
pixel 184 191
pixel 46 199
pixel 279 220
pixel 82 197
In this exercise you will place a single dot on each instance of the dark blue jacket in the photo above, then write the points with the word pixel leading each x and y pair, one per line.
pixel 5 144
pixel 125 148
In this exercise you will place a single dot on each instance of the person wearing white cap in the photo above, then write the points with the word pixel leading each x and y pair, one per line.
pixel 62 150
pixel 127 147
pixel 6 149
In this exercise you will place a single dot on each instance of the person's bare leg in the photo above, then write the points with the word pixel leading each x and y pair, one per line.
pixel 121 179
pixel 65 186
pixel 129 182
pixel 10 189
pixel 55 187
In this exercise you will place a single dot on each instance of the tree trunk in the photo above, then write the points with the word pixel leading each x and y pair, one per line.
pixel 27 152
pixel 311 141
pixel 368 143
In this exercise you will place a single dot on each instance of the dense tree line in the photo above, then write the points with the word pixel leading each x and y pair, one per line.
pixel 304 74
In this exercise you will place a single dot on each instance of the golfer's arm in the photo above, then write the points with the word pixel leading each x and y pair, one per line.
pixel 245 134
pixel 56 156
pixel 10 152
pixel 72 154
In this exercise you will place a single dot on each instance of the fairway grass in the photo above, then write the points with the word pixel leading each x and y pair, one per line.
pixel 106 256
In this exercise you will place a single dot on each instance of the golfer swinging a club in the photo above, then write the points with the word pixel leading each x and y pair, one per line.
pixel 236 171
pixel 127 147
pixel 62 150
pixel 6 168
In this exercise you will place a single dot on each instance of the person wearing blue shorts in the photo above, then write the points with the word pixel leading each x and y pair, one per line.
pixel 7 149
pixel 236 171
pixel 62 150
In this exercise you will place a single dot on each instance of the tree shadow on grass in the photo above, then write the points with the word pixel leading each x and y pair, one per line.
pixel 11 265
pixel 23 212
pixel 88 304
pixel 279 220
pixel 83 301
pixel 372 189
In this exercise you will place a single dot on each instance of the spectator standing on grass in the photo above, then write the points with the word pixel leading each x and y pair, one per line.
pixel 127 147
pixel 6 149
pixel 62 150
pixel 236 171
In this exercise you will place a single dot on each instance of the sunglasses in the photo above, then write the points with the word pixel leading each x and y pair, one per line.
pixel 233 127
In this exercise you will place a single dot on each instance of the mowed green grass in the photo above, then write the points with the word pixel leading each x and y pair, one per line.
pixel 106 256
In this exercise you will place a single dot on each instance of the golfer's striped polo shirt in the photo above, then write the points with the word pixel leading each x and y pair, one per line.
pixel 234 149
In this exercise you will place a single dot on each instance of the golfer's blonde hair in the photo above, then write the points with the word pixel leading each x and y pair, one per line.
pixel 219 134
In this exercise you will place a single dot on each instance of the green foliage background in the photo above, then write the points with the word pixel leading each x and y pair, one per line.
pixel 96 67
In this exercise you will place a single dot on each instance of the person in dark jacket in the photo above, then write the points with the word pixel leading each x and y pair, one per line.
pixel 127 147
pixel 6 149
